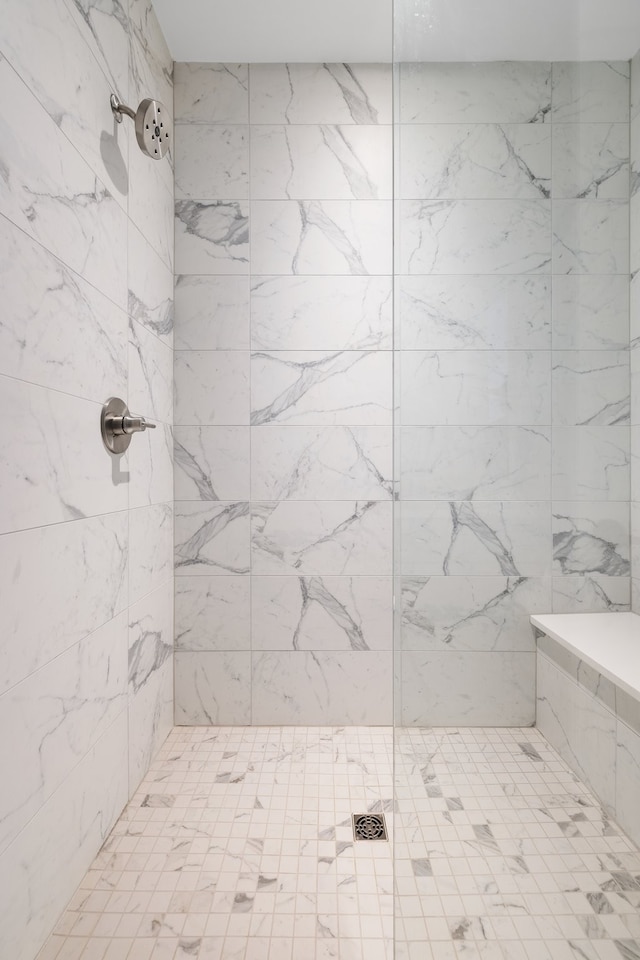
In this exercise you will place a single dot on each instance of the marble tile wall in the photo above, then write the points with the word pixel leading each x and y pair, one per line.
pixel 635 330
pixel 512 330
pixel 283 378
pixel 86 271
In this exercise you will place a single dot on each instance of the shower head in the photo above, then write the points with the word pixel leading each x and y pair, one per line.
pixel 152 125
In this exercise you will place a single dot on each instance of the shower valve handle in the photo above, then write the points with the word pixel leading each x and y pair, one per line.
pixel 132 424
pixel 117 425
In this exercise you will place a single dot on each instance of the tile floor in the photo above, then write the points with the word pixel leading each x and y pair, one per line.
pixel 238 846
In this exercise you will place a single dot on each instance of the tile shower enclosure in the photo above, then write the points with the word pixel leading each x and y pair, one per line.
pixel 511 402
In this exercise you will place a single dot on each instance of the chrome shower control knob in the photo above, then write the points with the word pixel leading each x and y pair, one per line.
pixel 117 425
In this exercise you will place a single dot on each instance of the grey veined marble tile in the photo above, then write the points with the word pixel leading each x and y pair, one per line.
pixel 590 236
pixel 211 538
pixel 321 313
pixel 321 93
pixel 347 387
pixel 469 463
pixel 591 538
pixel 592 91
pixel 500 92
pixel 471 613
pixel 475 539
pixel 590 387
pixel 474 236
pixel 466 161
pixel 211 92
pixel 591 463
pixel 212 237
pixel 334 463
pixel 321 613
pixel 212 161
pixel 321 537
pixel 475 387
pixel 591 160
pixel 212 313
pixel 321 162
pixel 590 312
pixel 474 312
pixel 321 237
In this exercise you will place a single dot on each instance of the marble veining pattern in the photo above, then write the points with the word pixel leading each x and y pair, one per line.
pixel 500 851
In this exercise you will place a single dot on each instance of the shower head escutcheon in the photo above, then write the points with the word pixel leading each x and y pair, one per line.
pixel 152 125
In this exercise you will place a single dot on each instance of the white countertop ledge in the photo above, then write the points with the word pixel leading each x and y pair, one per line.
pixel 608 642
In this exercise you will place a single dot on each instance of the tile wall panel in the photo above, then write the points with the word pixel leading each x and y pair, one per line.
pixel 86 541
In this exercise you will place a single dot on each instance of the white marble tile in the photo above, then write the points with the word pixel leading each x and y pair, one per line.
pixel 211 387
pixel 93 553
pixel 591 538
pixel 211 92
pixel 590 387
pixel 150 461
pixel 591 160
pixel 151 64
pixel 211 463
pixel 321 537
pixel 150 375
pixel 593 594
pixel 321 613
pixel 212 237
pixel 150 283
pixel 475 387
pixel 335 463
pixel 213 613
pixel 590 312
pixel 321 162
pixel 474 463
pixel 41 870
pixel 211 539
pixel 320 93
pixel 475 539
pixel 635 533
pixel 213 688
pixel 590 463
pixel 454 161
pixel 466 313
pixel 635 86
pixel 593 91
pixel 150 679
pixel 628 780
pixel 49 472
pixel 500 92
pixel 150 548
pixel 590 236
pixel 474 236
pixel 54 321
pixel 634 239
pixel 316 237
pixel 474 689
pixel 634 137
pixel 579 727
pixel 212 313
pixel 105 29
pixel 321 688
pixel 635 595
pixel 151 205
pixel 72 88
pixel 349 387
pixel 212 161
pixel 471 613
pixel 634 364
pixel 54 196
pixel 321 313
pixel 56 715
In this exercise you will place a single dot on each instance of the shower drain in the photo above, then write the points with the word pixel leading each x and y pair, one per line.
pixel 369 826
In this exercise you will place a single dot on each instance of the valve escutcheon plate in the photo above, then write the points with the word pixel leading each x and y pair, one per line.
pixel 115 442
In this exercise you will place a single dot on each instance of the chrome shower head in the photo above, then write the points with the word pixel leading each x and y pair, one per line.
pixel 152 125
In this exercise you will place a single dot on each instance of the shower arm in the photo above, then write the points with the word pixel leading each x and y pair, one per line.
pixel 120 108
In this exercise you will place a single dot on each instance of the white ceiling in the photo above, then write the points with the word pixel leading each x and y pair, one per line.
pixel 241 31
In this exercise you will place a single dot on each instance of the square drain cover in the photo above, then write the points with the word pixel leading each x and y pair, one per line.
pixel 369 826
